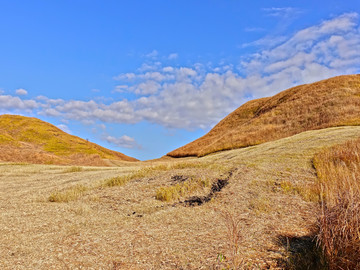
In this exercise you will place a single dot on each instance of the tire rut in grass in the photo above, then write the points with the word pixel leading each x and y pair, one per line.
pixel 216 187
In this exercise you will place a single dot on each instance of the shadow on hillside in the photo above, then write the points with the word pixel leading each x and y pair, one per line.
pixel 302 253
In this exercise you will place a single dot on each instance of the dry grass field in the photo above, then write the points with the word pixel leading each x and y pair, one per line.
pixel 248 208
pixel 328 103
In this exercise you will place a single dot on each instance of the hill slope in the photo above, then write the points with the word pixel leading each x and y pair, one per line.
pixel 328 103
pixel 25 139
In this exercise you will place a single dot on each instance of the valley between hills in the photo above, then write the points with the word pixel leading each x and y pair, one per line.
pixel 126 227
pixel 290 171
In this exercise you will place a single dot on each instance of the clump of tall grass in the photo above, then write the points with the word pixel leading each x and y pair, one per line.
pixel 234 239
pixel 338 170
pixel 339 233
pixel 67 195
pixel 171 193
pixel 73 169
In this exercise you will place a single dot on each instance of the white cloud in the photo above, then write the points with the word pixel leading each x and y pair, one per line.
pixel 268 41
pixel 168 69
pixel 156 76
pixel 281 11
pixel 21 92
pixel 173 56
pixel 64 128
pixel 283 17
pixel 152 54
pixel 102 126
pixel 50 112
pixel 8 102
pixel 147 88
pixel 126 76
pixel 121 88
pixel 254 29
pixel 149 66
pixel 315 44
pixel 123 141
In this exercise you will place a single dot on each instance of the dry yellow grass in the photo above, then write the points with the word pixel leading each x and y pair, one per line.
pixel 25 139
pixel 127 227
pixel 182 189
pixel 338 170
pixel 328 103
pixel 67 195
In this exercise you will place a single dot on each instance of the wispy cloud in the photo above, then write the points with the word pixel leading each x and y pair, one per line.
pixel 121 88
pixel 123 141
pixel 283 17
pixel 152 54
pixel 254 29
pixel 64 128
pixel 173 56
pixel 268 41
pixel 21 92
pixel 283 12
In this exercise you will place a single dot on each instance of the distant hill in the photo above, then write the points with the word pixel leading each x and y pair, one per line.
pixel 30 140
pixel 328 103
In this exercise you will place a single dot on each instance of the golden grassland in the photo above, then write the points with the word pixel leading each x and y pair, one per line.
pixel 328 103
pixel 25 139
pixel 101 222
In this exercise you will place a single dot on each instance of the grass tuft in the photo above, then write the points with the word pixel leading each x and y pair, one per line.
pixel 234 238
pixel 141 173
pixel 73 169
pixel 171 193
pixel 68 195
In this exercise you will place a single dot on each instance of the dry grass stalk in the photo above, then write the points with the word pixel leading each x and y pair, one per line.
pixel 234 235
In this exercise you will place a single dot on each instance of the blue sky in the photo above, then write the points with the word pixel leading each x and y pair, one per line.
pixel 145 77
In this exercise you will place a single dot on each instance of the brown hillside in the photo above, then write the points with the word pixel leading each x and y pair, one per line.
pixel 26 139
pixel 328 103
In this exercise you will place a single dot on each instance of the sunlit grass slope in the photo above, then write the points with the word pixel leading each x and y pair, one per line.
pixel 328 103
pixel 25 139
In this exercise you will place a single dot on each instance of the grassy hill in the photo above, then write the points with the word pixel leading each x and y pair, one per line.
pixel 328 103
pixel 25 139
